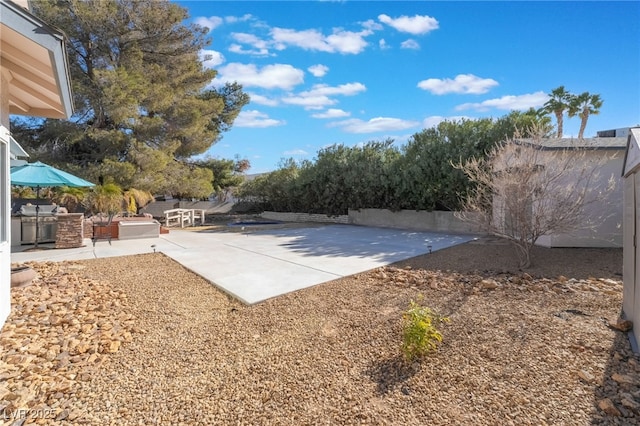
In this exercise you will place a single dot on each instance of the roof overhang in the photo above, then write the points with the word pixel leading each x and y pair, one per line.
pixel 33 58
pixel 631 161
pixel 589 144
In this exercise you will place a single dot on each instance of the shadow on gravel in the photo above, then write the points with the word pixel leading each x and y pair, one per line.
pixel 390 373
pixel 617 396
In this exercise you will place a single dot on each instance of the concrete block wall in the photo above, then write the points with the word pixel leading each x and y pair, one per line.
pixel 305 217
pixel 436 221
pixel 157 208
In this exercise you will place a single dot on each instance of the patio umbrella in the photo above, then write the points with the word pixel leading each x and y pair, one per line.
pixel 39 175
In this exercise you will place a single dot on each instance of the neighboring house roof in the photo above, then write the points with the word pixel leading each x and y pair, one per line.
pixel 34 55
pixel 570 143
pixel 631 161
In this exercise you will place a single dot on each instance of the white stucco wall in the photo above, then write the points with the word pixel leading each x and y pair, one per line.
pixel 602 226
pixel 631 263
pixel 631 252
pixel 605 228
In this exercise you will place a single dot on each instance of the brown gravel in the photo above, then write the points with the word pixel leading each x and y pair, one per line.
pixel 528 348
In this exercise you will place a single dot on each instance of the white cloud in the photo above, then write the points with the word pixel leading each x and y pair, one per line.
pixel 339 41
pixel 262 100
pixel 236 48
pixel 310 101
pixel 509 102
pixel 234 19
pixel 255 119
pixel 214 22
pixel 213 58
pixel 319 95
pixel 378 124
pixel 346 42
pixel 307 39
pixel 410 44
pixel 418 24
pixel 318 70
pixel 347 89
pixel 434 120
pixel 275 76
pixel 383 44
pixel 332 113
pixel 296 152
pixel 211 22
pixel 462 83
pixel 259 47
pixel 371 25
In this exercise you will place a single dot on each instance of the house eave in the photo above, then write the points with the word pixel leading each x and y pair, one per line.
pixel 33 58
pixel 631 162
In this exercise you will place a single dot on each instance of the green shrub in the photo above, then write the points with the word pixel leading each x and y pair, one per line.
pixel 420 335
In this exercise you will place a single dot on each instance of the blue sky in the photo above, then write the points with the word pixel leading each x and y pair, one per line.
pixel 349 72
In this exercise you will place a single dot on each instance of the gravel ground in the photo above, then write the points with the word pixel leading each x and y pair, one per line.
pixel 522 348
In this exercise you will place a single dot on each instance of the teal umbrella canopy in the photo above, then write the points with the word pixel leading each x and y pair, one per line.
pixel 39 175
pixel 42 175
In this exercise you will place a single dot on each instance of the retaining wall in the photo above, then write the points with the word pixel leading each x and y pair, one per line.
pixel 437 221
pixel 157 208
pixel 305 217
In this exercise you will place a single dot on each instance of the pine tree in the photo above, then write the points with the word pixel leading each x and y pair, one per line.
pixel 141 94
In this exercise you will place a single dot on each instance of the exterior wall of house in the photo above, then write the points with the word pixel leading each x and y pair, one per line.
pixel 631 252
pixel 5 202
pixel 606 217
pixel 631 263
pixel 603 225
pixel 33 44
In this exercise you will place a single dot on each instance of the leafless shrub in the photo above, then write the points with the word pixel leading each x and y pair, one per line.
pixel 525 189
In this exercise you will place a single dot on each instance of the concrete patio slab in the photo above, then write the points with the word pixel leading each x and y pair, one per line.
pixel 256 266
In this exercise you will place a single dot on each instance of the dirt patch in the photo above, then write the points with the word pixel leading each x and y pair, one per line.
pixel 493 255
pixel 519 350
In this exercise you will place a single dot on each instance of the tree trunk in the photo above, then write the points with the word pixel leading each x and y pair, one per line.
pixel 523 250
pixel 560 120
pixel 583 123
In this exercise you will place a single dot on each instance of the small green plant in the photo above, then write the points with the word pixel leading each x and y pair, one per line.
pixel 420 335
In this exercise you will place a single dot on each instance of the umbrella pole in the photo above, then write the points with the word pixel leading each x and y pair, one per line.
pixel 37 214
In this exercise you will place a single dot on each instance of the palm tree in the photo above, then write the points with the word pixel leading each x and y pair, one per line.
pixel 104 200
pixel 558 102
pixel 69 197
pixel 583 106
